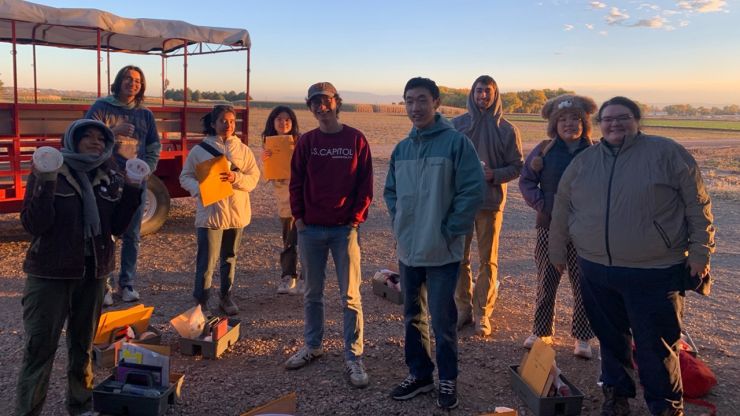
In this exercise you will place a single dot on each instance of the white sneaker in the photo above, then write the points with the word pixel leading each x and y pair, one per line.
pixel 129 294
pixel 299 288
pixel 532 338
pixel 287 284
pixel 108 298
pixel 356 373
pixel 304 356
pixel 583 349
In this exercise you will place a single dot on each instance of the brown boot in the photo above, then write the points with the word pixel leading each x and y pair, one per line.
pixel 228 305
pixel 614 404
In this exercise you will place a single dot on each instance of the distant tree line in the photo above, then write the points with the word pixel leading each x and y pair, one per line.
pixel 688 110
pixel 197 95
pixel 529 102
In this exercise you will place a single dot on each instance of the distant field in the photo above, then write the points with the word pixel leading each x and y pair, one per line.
pixel 730 125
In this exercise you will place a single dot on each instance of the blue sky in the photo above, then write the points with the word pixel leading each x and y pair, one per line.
pixel 658 52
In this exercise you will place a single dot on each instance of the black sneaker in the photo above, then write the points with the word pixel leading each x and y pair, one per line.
pixel 411 387
pixel 447 396
pixel 614 404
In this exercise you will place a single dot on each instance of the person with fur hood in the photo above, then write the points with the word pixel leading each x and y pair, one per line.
pixel 499 149
pixel 569 132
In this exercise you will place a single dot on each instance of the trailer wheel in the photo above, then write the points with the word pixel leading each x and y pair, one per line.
pixel 157 206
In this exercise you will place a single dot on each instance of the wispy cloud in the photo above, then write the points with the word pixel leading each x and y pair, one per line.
pixel 656 22
pixel 703 6
pixel 604 33
pixel 683 23
pixel 616 16
pixel 589 26
pixel 568 28
pixel 648 6
pixel 598 5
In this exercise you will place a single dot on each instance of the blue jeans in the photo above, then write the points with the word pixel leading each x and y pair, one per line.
pixel 130 245
pixel 432 289
pixel 314 244
pixel 214 245
pixel 623 303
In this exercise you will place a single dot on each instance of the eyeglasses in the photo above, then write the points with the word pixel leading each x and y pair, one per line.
pixel 321 99
pixel 133 80
pixel 619 119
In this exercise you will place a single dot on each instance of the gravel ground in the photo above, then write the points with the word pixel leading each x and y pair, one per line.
pixel 252 372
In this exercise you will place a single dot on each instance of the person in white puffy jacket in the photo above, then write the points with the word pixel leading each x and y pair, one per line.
pixel 219 225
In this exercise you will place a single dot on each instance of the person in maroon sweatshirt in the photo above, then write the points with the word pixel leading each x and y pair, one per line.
pixel 331 187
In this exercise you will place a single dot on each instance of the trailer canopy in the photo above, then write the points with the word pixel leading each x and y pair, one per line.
pixel 70 27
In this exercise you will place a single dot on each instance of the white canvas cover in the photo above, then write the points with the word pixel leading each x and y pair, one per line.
pixel 70 27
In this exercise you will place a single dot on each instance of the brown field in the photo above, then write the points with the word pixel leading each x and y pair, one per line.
pixel 252 373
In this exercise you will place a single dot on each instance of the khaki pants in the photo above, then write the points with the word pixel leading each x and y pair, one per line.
pixel 47 304
pixel 480 298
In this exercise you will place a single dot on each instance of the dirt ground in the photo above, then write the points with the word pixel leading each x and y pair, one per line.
pixel 252 372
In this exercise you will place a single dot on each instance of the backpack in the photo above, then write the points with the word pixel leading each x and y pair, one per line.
pixel 697 379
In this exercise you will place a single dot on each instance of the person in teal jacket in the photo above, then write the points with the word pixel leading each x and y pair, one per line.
pixel 433 190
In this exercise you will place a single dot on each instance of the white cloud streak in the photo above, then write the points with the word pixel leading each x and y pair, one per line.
pixel 598 5
pixel 702 6
pixel 616 16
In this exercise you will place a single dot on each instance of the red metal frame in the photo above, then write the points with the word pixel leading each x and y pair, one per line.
pixel 16 149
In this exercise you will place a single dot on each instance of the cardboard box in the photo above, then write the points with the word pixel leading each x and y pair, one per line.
pixel 110 400
pixel 211 349
pixel 285 405
pixel 106 358
pixel 547 406
pixel 388 293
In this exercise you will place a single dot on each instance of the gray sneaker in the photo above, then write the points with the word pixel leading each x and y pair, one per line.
pixel 108 298
pixel 287 283
pixel 304 356
pixel 299 288
pixel 356 373
pixel 228 305
pixel 129 294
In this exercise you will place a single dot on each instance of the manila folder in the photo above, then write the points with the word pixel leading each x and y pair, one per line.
pixel 212 188
pixel 277 166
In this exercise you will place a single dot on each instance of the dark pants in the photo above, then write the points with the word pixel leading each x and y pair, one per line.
pixel 430 289
pixel 289 255
pixel 215 245
pixel 649 303
pixel 47 304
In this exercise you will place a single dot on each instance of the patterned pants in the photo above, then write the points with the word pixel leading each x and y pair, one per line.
pixel 548 280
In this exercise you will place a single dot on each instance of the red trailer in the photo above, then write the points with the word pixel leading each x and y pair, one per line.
pixel 25 126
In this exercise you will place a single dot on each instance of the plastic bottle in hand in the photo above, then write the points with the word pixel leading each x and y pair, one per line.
pixel 137 170
pixel 47 159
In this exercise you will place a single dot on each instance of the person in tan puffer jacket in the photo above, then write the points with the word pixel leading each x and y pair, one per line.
pixel 637 212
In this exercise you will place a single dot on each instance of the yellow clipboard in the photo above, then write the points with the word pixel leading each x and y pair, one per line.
pixel 212 188
pixel 277 166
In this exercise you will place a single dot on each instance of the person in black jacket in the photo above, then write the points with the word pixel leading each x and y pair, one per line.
pixel 72 214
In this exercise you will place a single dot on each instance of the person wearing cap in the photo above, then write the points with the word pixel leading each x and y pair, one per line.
pixel 331 187
pixel 433 189
pixel 72 214
pixel 569 128
pixel 500 151
pixel 636 209
pixel 136 137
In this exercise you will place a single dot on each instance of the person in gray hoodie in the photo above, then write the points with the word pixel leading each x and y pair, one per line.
pixel 500 151
pixel 136 136
pixel 433 189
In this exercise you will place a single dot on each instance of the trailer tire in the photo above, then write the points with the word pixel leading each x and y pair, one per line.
pixel 157 206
